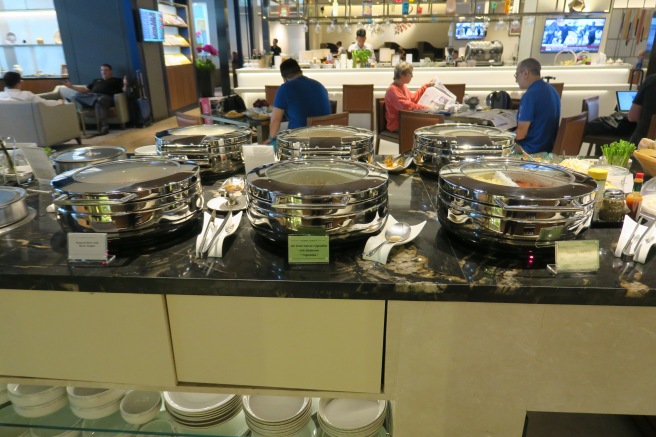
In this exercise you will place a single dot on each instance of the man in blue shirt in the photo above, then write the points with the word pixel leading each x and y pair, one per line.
pixel 299 97
pixel 538 116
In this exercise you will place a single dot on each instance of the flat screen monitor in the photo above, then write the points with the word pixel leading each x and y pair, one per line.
pixel 575 34
pixel 475 30
pixel 625 100
pixel 152 25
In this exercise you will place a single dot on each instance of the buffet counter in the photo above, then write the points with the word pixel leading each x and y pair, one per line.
pixel 463 339
pixel 581 81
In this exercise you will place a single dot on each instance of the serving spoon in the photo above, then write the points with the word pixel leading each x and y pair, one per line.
pixel 396 233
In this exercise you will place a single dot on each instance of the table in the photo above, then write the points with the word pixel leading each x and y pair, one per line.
pixel 262 126
pixel 501 118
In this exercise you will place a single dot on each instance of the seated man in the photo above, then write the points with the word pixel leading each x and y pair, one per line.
pixel 643 107
pixel 99 94
pixel 538 116
pixel 399 98
pixel 299 97
pixel 13 91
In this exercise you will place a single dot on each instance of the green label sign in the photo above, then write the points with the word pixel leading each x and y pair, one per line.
pixel 308 249
pixel 577 256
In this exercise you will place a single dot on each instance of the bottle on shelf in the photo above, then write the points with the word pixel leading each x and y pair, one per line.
pixel 599 175
pixel 634 199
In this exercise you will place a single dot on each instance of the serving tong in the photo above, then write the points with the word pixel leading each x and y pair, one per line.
pixel 215 237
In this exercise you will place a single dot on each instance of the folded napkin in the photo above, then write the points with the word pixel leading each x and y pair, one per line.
pixel 382 253
pixel 217 246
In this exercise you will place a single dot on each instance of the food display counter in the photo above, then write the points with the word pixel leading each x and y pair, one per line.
pixel 580 81
pixel 462 339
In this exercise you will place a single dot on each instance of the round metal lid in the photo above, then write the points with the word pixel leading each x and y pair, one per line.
pixel 513 178
pixel 89 154
pixel 201 134
pixel 346 133
pixel 125 176
pixel 316 177
pixel 465 135
pixel 9 195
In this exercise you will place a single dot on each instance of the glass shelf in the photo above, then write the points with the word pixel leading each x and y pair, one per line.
pixel 31 45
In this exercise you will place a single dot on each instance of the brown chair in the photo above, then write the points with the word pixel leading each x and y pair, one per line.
pixel 457 89
pixel 558 86
pixel 187 120
pixel 340 119
pixel 409 122
pixel 570 135
pixel 359 99
pixel 591 106
pixel 270 93
pixel 381 125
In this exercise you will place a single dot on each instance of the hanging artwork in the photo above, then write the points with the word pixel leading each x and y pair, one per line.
pixel 367 7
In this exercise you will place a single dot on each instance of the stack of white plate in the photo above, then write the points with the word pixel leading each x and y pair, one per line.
pixel 36 400
pixel 94 403
pixel 201 410
pixel 4 398
pixel 351 417
pixel 274 416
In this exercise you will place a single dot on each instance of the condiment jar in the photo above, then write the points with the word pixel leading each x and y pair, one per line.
pixel 613 207
pixel 599 175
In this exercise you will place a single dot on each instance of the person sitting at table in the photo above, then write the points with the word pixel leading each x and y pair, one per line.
pixel 538 115
pixel 399 98
pixel 14 92
pixel 299 98
pixel 642 109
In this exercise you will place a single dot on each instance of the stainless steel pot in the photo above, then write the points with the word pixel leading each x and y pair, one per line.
pixel 83 156
pixel 438 145
pixel 13 206
pixel 514 203
pixel 342 199
pixel 217 149
pixel 130 198
pixel 344 142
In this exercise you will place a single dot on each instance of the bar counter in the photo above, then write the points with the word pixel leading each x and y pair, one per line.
pixel 580 81
pixel 461 338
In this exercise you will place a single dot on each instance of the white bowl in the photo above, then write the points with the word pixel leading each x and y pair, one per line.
pixel 25 395
pixel 146 151
pixel 139 407
pixel 160 426
pixel 97 412
pixel 84 397
pixel 42 409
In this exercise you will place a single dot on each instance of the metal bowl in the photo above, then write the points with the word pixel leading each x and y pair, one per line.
pixel 344 200
pixel 13 206
pixel 514 203
pixel 343 142
pixel 83 156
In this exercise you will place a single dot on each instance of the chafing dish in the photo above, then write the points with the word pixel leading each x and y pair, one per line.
pixel 441 144
pixel 83 156
pixel 514 203
pixel 344 200
pixel 13 206
pixel 344 142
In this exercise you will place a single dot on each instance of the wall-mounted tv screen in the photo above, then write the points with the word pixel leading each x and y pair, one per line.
pixel 576 34
pixel 152 25
pixel 475 30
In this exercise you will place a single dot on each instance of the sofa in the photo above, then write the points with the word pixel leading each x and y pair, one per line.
pixel 119 114
pixel 35 122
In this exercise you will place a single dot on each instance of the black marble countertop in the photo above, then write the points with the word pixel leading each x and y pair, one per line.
pixel 436 266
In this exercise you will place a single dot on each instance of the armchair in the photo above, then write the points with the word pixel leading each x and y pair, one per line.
pixel 35 122
pixel 119 114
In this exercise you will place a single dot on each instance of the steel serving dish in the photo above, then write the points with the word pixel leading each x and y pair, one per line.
pixel 13 206
pixel 514 203
pixel 83 156
pixel 217 149
pixel 129 198
pixel 344 142
pixel 438 145
pixel 344 200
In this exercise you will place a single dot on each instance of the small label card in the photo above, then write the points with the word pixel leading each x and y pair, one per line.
pixel 308 249
pixel 83 247
pixel 577 256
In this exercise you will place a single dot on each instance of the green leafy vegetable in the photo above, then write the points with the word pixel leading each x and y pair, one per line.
pixel 618 152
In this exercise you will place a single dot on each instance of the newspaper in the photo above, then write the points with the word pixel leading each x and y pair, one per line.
pixel 437 95
pixel 501 118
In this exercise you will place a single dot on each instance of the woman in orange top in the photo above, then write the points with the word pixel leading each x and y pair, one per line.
pixel 399 98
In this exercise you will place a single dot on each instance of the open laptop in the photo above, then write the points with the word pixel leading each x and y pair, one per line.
pixel 625 100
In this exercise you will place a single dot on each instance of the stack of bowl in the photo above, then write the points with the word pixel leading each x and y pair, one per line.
pixel 204 410
pixel 273 416
pixel 351 417
pixel 140 407
pixel 36 400
pixel 94 403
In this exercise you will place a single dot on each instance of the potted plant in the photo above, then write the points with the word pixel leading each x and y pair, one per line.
pixel 360 57
pixel 204 69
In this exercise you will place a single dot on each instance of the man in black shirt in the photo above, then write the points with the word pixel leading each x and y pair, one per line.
pixel 99 94
pixel 643 107
pixel 275 48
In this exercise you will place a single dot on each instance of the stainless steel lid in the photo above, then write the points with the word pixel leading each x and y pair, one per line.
pixel 326 142
pixel 142 177
pixel 463 136
pixel 9 195
pixel 89 154
pixel 317 181
pixel 208 134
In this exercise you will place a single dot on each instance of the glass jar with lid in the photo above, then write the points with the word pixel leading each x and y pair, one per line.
pixel 613 206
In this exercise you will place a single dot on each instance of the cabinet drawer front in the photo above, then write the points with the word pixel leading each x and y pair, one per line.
pixel 312 344
pixel 116 338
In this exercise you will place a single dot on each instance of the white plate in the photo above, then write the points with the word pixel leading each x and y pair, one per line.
pixel 274 409
pixel 351 414
pixel 380 161
pixel 146 151
pixel 196 402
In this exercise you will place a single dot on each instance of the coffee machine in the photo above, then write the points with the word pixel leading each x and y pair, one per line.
pixel 484 53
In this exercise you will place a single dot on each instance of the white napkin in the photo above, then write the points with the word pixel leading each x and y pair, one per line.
pixel 647 241
pixel 257 155
pixel 217 247
pixel 382 253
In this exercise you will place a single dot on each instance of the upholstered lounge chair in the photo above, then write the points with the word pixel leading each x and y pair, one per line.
pixel 35 122
pixel 119 114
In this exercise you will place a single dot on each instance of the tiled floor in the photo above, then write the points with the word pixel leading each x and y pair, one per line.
pixel 581 425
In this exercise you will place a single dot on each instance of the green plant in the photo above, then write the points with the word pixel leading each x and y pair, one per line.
pixel 360 56
pixel 618 152
pixel 204 60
